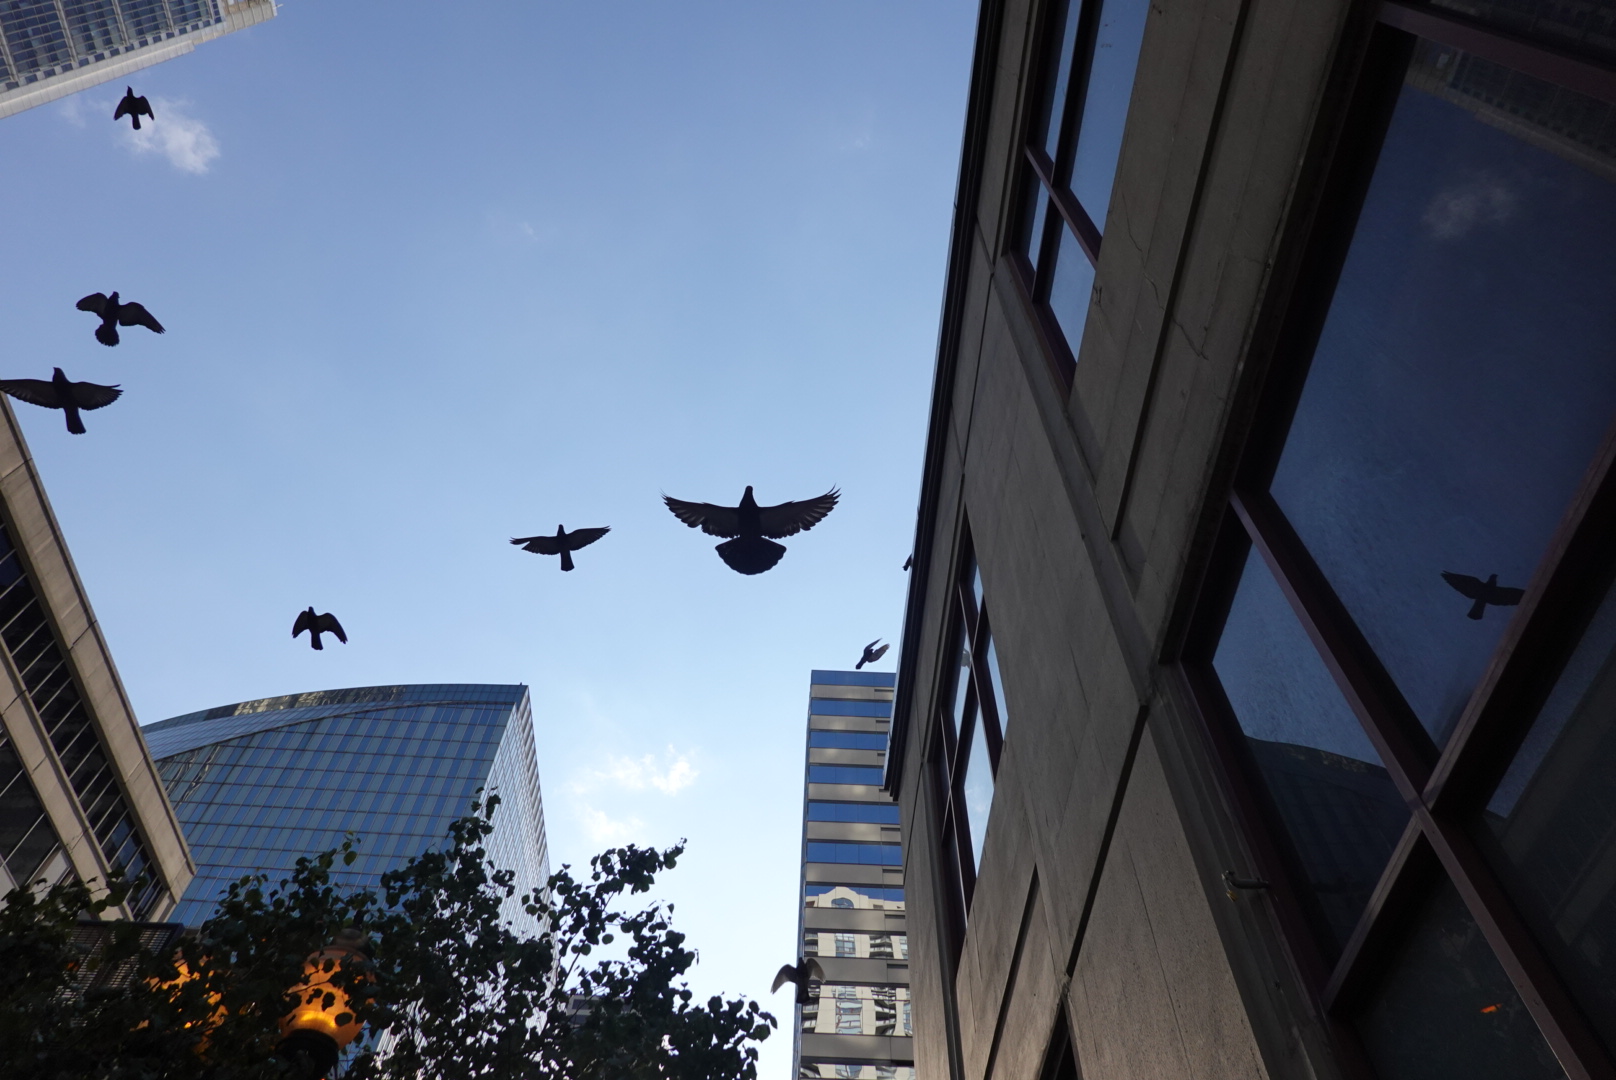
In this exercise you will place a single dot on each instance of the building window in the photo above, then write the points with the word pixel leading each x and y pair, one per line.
pixel 968 739
pixel 1406 653
pixel 1072 142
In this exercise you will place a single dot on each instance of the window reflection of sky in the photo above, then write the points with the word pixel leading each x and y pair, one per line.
pixel 1105 106
pixel 978 787
pixel 1461 384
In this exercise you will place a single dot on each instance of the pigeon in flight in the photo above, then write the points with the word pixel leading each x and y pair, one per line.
pixel 317 625
pixel 114 315
pixel 871 654
pixel 61 393
pixel 133 107
pixel 747 552
pixel 805 969
pixel 1483 592
pixel 563 543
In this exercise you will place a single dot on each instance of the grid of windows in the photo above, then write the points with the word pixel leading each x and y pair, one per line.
pixel 873 813
pixel 967 741
pixel 1071 145
pixel 848 740
pixel 845 774
pixel 858 1010
pixel 27 838
pixel 1406 647
pixel 396 774
pixel 42 38
pixel 827 851
pixel 865 945
pixel 48 682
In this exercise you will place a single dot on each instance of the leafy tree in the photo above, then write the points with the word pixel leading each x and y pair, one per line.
pixel 443 984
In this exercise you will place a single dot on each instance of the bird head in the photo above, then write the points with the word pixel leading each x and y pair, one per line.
pixel 56 373
pixel 561 530
pixel 130 90
pixel 114 297
pixel 746 498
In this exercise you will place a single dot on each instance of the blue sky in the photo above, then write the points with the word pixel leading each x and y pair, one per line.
pixel 433 282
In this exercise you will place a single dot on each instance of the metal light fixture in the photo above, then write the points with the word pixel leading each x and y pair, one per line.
pixel 323 1021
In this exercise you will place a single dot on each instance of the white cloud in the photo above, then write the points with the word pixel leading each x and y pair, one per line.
pixel 1457 210
pixel 608 831
pixel 671 775
pixel 174 133
pixel 71 109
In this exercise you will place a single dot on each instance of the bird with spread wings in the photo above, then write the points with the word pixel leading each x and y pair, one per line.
pixel 801 973
pixel 59 392
pixel 747 551
pixel 871 654
pixel 114 314
pixel 317 625
pixel 563 543
pixel 1482 592
pixel 133 107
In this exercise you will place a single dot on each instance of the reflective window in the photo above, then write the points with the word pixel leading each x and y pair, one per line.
pixel 875 813
pixel 844 774
pixel 1105 105
pixel 1552 821
pixel 977 786
pixel 860 854
pixel 848 740
pixel 1337 803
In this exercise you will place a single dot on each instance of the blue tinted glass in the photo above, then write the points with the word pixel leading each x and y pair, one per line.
pixel 1463 378
pixel 1034 213
pixel 832 707
pixel 876 813
pixel 978 790
pixel 1105 104
pixel 1333 796
pixel 998 685
pixel 848 740
pixel 1070 288
pixel 863 854
pixel 865 892
pixel 843 774
pixel 1062 44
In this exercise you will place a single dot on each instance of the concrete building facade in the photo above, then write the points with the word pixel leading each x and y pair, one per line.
pixel 1254 713
pixel 52 48
pixel 79 794
pixel 858 1022
pixel 259 784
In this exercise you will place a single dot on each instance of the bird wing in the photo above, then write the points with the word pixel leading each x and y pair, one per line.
pixel 136 315
pixel 141 105
pixel 1464 584
pixel 305 621
pixel 328 624
pixel 722 521
pixel 791 518
pixel 95 302
pixel 124 107
pixel 879 653
pixel 786 974
pixel 89 395
pixel 812 970
pixel 872 645
pixel 539 545
pixel 1504 596
pixel 579 538
pixel 33 391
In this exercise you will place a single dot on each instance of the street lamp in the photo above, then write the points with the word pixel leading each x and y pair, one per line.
pixel 323 1022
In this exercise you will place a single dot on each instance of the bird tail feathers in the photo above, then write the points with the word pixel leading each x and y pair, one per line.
pixel 136 118
pixel 106 334
pixel 750 554
pixel 314 640
pixel 566 559
pixel 75 424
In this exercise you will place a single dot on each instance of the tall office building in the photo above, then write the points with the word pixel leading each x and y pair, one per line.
pixel 856 1025
pixel 1256 714
pixel 52 48
pixel 258 784
pixel 79 795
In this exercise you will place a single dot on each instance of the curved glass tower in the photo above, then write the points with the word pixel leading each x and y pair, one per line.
pixel 258 784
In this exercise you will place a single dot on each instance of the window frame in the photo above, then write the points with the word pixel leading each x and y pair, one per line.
pixel 1445 788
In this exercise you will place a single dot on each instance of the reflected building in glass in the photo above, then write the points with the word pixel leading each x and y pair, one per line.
pixel 857 1025
pixel 259 784
pixel 52 48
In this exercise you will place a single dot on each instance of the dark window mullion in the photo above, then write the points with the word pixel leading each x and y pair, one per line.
pixel 1537 59
pixel 1559 602
pixel 1067 207
pixel 1391 725
pixel 1077 87
pixel 1404 884
pixel 1578 1048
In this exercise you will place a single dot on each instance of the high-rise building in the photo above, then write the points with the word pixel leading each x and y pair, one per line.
pixel 52 48
pixel 857 1024
pixel 79 795
pixel 259 784
pixel 1256 714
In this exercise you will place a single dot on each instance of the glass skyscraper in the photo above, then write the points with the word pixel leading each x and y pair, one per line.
pixel 856 1025
pixel 52 48
pixel 258 784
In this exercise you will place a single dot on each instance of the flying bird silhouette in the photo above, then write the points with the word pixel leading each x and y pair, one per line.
pixel 563 543
pixel 133 107
pixel 114 315
pixel 805 969
pixel 871 654
pixel 1483 592
pixel 317 625
pixel 61 393
pixel 747 552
